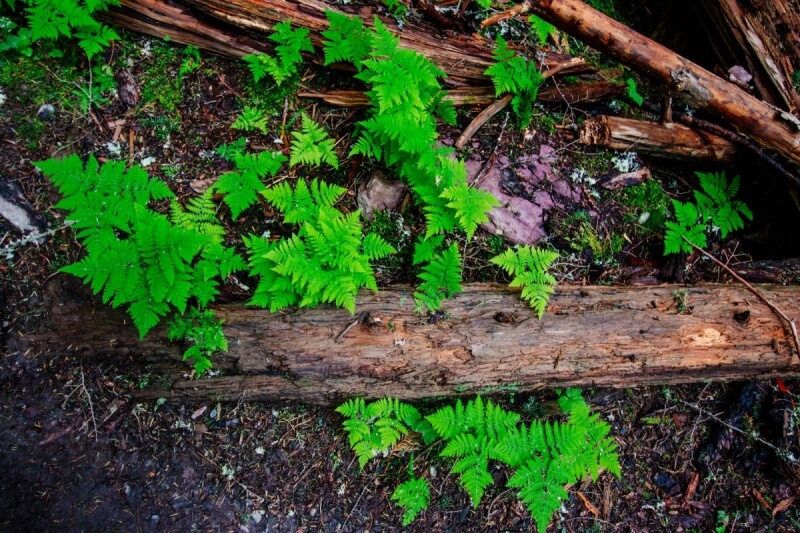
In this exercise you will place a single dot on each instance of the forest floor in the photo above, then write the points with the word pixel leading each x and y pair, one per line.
pixel 80 453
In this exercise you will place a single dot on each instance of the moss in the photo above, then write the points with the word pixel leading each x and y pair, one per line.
pixel 581 235
pixel 645 204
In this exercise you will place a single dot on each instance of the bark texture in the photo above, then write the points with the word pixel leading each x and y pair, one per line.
pixel 489 340
pixel 763 36
pixel 769 126
pixel 666 140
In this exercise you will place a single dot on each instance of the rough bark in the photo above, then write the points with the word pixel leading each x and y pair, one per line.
pixel 763 36
pixel 489 340
pixel 769 126
pixel 240 27
pixel 666 140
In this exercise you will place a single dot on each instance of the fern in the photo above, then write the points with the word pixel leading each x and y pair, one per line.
pixel 289 46
pixel 200 215
pixel 204 331
pixel 687 225
pixel 136 256
pixel 716 204
pixel 633 92
pixel 529 267
pixel 326 261
pixel 544 457
pixel 52 19
pixel 413 496
pixel 375 427
pixel 242 185
pixel 513 74
pixel 312 145
pixel 251 119
pixel 406 98
pixel 440 277
pixel 541 28
pixel 715 207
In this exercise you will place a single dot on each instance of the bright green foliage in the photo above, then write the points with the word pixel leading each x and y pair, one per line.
pixel 375 427
pixel 687 224
pixel 544 457
pixel 541 28
pixel 633 92
pixel 290 44
pixel 204 331
pixel 485 4
pixel 413 495
pixel 200 215
pixel 312 145
pixel 716 204
pixel 242 185
pixel 191 61
pixel 514 75
pixel 406 97
pixel 441 276
pixel 715 207
pixel 251 119
pixel 135 255
pixel 529 267
pixel 232 150
pixel 326 261
pixel 396 8
pixel 51 19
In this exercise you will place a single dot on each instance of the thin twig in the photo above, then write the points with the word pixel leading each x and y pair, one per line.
pixel 717 419
pixel 518 9
pixel 789 322
pixel 89 399
pixel 352 324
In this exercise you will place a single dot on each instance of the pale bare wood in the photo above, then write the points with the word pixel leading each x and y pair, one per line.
pixel 770 127
pixel 590 336
pixel 666 140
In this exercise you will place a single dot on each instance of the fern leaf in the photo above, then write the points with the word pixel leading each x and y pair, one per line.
pixel 441 278
pixel 413 496
pixel 312 145
pixel 471 206
pixel 529 267
pixel 347 40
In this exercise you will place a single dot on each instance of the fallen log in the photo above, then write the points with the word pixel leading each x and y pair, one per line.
pixel 767 125
pixel 665 140
pixel 241 27
pixel 763 36
pixel 486 341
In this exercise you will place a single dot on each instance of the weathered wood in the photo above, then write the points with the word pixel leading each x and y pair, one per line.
pixel 666 140
pixel 767 125
pixel 240 27
pixel 489 340
pixel 763 36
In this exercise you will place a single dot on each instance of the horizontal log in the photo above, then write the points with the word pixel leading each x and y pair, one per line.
pixel 666 140
pixel 240 27
pixel 487 340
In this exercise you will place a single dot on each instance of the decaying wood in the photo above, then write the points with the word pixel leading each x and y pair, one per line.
pixel 489 340
pixel 769 126
pixel 240 27
pixel 763 36
pixel 480 96
pixel 666 140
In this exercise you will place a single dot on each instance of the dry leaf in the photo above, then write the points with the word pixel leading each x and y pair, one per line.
pixel 690 490
pixel 760 499
pixel 782 506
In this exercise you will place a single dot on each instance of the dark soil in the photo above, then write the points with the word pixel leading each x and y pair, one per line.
pixel 78 452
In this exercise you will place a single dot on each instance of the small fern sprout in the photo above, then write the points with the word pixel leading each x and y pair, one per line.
pixel 529 267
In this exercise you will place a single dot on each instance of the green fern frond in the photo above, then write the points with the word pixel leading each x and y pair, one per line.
pixel 251 119
pixel 347 40
pixel 471 206
pixel 312 145
pixel 242 185
pixel 529 267
pixel 513 74
pixel 441 278
pixel 413 496
pixel 541 28
pixel 200 215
